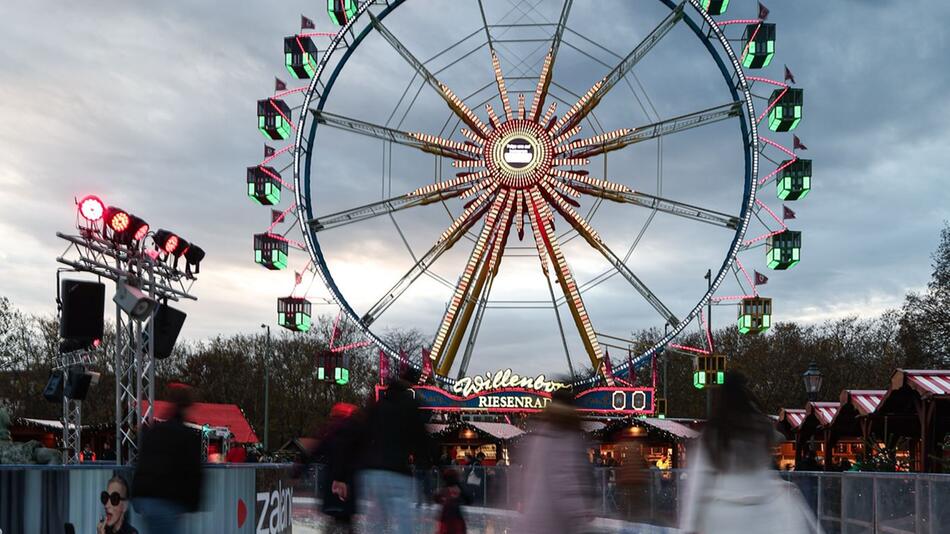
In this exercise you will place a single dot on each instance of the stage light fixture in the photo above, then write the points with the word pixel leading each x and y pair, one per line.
pixel 91 208
pixel 133 301
pixel 138 228
pixel 181 249
pixel 125 227
pixel 193 256
pixel 117 219
pixel 166 241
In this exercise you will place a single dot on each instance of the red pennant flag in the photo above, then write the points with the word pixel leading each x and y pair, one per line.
pixel 760 279
pixel 763 12
pixel 276 216
pixel 787 213
pixel 797 143
pixel 298 278
pixel 279 85
pixel 305 23
pixel 268 151
pixel 789 77
pixel 403 363
pixel 608 368
pixel 426 367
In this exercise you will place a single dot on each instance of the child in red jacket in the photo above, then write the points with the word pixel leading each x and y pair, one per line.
pixel 451 497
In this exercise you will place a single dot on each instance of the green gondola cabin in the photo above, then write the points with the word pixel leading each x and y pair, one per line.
pixel 293 313
pixel 755 315
pixel 786 110
pixel 270 250
pixel 341 11
pixel 715 7
pixel 263 185
pixel 794 182
pixel 759 45
pixel 709 370
pixel 272 119
pixel 333 367
pixel 783 250
pixel 300 56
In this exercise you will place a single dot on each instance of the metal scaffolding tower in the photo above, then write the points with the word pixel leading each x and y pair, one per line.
pixel 158 277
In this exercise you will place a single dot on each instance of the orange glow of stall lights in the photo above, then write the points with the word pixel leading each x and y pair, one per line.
pixel 636 431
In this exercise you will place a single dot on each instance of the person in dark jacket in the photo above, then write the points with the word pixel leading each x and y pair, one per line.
pixel 335 449
pixel 167 480
pixel 394 429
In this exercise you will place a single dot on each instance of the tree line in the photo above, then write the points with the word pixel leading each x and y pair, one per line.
pixel 856 353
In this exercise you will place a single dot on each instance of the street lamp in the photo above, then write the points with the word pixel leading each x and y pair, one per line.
pixel 812 379
pixel 266 386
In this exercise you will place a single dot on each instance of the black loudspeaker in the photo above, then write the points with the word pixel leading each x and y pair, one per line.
pixel 168 323
pixel 83 309
pixel 77 385
pixel 53 391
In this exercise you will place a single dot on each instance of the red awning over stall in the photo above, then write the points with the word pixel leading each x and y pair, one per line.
pixel 220 415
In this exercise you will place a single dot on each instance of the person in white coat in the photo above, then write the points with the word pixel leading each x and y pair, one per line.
pixel 731 486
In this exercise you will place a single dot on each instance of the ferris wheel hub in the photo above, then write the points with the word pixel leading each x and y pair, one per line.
pixel 519 153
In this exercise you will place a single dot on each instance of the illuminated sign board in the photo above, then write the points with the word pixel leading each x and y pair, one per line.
pixel 600 401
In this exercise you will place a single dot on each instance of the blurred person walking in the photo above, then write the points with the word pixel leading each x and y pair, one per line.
pixel 731 487
pixel 335 449
pixel 452 496
pixel 634 479
pixel 475 477
pixel 393 430
pixel 167 480
pixel 558 477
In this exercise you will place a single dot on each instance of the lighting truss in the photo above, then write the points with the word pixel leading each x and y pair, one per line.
pixel 134 366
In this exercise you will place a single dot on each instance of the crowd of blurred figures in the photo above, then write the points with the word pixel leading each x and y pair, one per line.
pixel 379 463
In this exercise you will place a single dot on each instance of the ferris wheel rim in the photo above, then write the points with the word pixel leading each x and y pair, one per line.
pixel 748 129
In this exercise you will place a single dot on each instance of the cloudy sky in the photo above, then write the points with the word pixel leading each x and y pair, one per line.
pixel 151 106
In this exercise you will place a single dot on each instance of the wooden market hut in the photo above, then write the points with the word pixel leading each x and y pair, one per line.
pixel 460 438
pixel 917 407
pixel 663 442
pixel 787 424
pixel 852 427
pixel 814 428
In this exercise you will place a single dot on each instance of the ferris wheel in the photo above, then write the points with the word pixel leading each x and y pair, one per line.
pixel 497 121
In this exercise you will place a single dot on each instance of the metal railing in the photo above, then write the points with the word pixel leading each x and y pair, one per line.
pixel 843 503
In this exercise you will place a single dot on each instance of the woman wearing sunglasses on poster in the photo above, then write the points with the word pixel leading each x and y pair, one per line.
pixel 115 501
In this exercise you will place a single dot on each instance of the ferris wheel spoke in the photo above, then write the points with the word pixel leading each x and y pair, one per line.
pixel 659 129
pixel 470 274
pixel 541 216
pixel 427 143
pixel 482 288
pixel 652 202
pixel 594 240
pixel 453 101
pixel 547 69
pixel 624 67
pixel 449 238
pixel 387 206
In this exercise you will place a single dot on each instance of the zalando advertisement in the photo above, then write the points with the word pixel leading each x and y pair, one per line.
pixel 245 499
